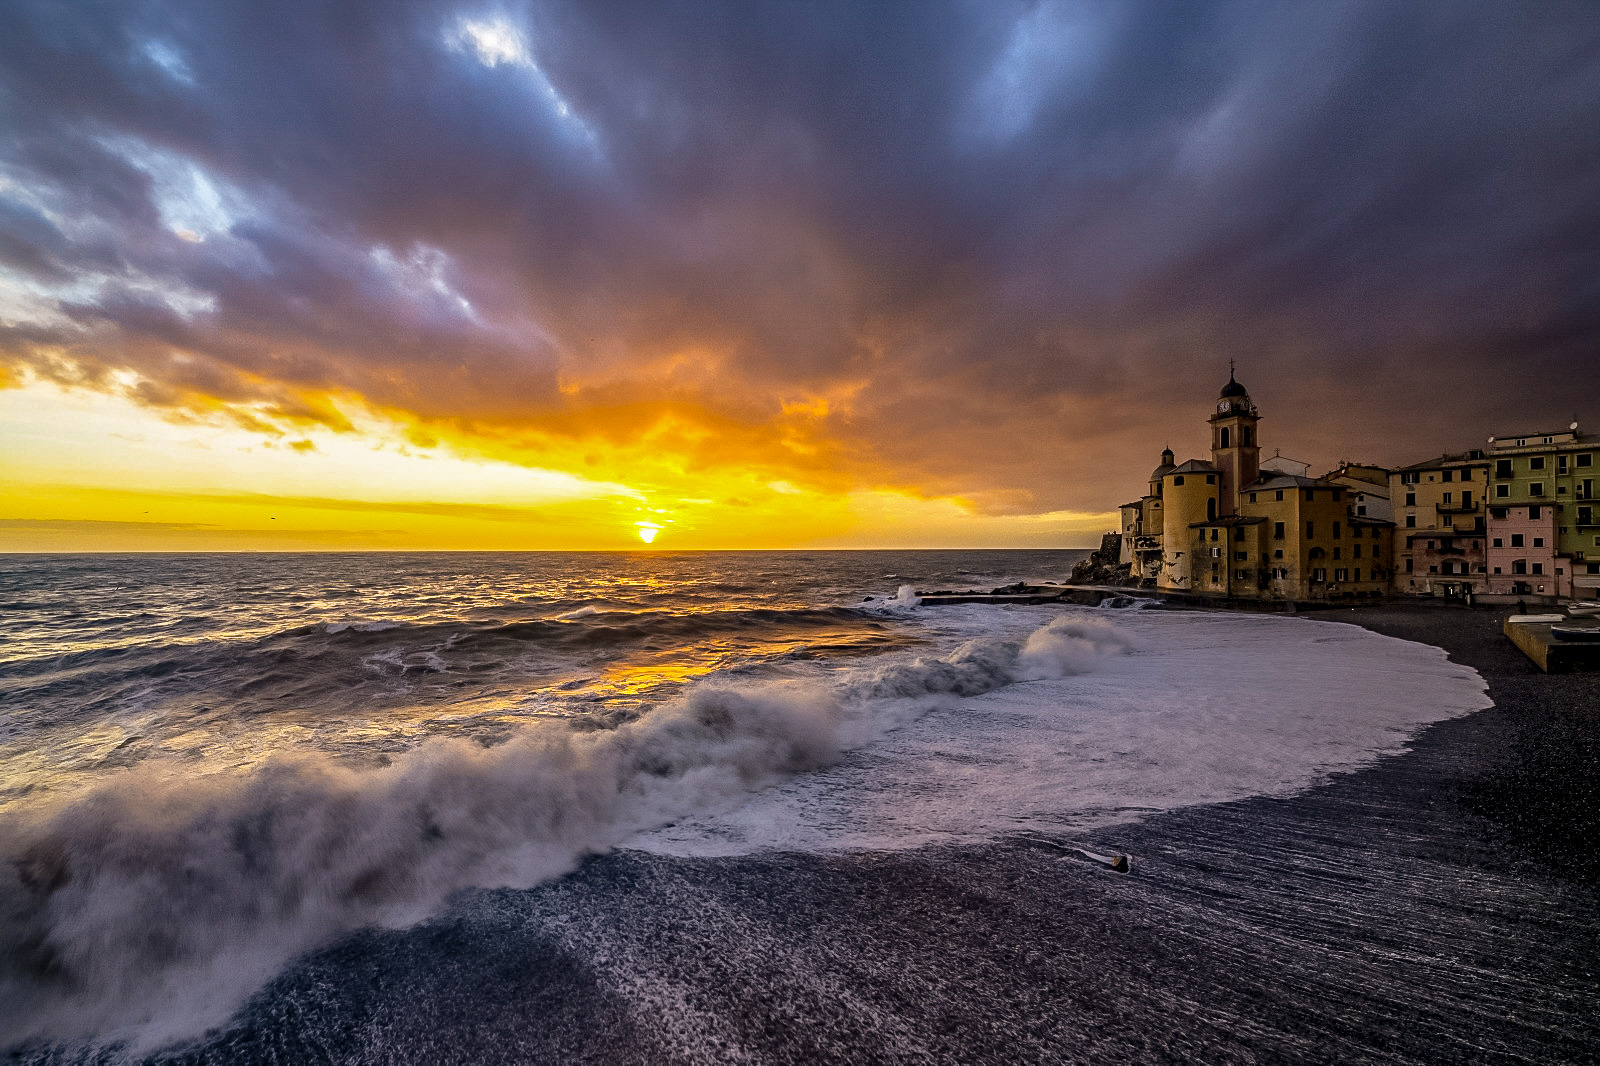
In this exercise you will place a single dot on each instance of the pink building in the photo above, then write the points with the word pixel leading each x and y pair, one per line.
pixel 1522 551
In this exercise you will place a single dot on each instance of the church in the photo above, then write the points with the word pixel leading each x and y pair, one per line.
pixel 1235 527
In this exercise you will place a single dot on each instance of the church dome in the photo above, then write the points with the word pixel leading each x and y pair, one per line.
pixel 1166 467
pixel 1233 388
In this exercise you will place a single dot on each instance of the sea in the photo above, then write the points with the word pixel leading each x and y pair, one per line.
pixel 212 765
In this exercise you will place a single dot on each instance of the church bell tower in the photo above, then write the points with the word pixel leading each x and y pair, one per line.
pixel 1235 450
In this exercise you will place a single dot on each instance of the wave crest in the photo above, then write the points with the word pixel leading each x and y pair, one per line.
pixel 150 908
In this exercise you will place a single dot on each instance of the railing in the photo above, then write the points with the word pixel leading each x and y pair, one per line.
pixel 1458 508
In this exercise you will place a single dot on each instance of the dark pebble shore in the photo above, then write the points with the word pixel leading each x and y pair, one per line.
pixel 1441 906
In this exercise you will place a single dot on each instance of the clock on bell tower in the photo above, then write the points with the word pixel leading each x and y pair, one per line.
pixel 1234 448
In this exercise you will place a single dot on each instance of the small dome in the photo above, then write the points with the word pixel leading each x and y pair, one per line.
pixel 1233 388
pixel 1165 468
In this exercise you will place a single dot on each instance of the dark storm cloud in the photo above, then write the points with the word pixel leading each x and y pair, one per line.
pixel 1011 245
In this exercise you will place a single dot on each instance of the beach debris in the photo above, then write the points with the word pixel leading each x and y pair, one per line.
pixel 1118 862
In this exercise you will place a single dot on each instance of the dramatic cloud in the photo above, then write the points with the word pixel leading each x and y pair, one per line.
pixel 999 251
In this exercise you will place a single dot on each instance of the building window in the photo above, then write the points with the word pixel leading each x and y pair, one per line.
pixel 1447 475
pixel 1252 497
pixel 1593 568
pixel 1497 569
pixel 1431 545
pixel 1278 553
pixel 1561 464
pixel 1411 499
pixel 1538 542
pixel 1277 531
pixel 1516 540
pixel 1280 494
pixel 1519 566
pixel 1357 553
pixel 1497 542
pixel 1534 513
pixel 1222 437
pixel 1538 568
pixel 1177 479
pixel 1497 512
pixel 1336 531
pixel 1411 521
pixel 1585 459
pixel 1502 491
pixel 1536 462
pixel 1408 564
pixel 1311 530
pixel 1433 569
pixel 1535 488
pixel 1502 468
pixel 1361 509
pixel 1447 498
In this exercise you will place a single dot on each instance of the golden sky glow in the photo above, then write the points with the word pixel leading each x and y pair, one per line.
pixel 543 276
pixel 92 471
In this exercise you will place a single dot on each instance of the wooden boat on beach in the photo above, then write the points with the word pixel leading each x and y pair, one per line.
pixel 1584 609
pixel 1588 634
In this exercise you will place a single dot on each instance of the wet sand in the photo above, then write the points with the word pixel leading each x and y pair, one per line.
pixel 1442 906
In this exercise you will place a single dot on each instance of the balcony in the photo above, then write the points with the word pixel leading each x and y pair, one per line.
pixel 1146 544
pixel 1458 508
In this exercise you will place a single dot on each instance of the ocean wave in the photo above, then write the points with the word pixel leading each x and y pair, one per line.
pixel 263 669
pixel 149 908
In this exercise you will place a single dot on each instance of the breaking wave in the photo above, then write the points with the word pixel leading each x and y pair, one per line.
pixel 149 908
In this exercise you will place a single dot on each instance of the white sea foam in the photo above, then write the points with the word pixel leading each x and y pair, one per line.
pixel 151 906
pixel 148 909
pixel 1213 707
pixel 906 596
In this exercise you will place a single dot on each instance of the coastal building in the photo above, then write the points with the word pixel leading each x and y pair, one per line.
pixel 1370 494
pixel 1441 535
pixel 1232 526
pixel 1544 537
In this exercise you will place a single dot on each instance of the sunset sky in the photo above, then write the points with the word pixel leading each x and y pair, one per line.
pixel 392 274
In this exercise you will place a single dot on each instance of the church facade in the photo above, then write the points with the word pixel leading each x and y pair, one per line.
pixel 1235 527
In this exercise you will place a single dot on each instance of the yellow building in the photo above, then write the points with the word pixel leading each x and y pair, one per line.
pixel 1225 528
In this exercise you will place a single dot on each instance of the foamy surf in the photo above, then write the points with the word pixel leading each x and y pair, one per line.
pixel 149 908
pixel 1214 707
